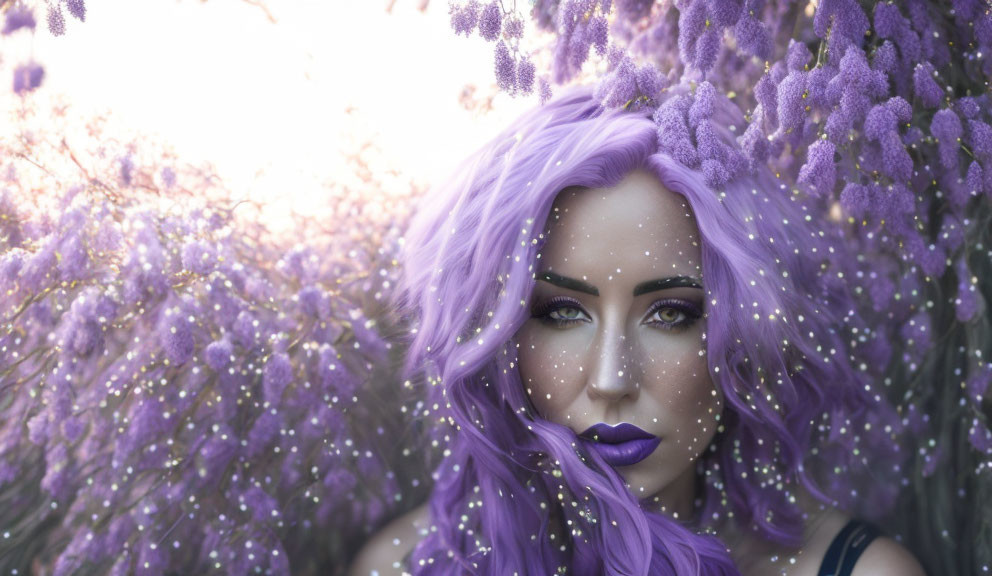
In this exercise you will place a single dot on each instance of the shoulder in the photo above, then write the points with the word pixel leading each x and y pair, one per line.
pixel 886 557
pixel 883 556
pixel 383 554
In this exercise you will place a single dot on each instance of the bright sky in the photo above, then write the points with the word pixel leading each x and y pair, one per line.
pixel 264 102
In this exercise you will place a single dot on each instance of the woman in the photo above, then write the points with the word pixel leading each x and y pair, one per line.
pixel 638 374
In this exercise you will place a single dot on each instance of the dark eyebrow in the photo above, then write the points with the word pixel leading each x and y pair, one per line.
pixel 566 282
pixel 666 283
pixel 642 288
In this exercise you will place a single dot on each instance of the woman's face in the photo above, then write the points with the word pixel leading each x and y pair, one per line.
pixel 616 333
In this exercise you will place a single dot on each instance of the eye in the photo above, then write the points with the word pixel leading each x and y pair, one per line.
pixel 560 311
pixel 674 314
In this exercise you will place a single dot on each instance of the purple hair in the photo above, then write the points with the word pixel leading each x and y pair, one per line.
pixel 778 345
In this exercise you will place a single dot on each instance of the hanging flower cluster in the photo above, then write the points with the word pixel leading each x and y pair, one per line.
pixel 183 390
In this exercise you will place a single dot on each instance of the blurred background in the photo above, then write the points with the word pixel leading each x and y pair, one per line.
pixel 275 95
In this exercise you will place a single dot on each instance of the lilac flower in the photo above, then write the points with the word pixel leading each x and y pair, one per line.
pixel 752 37
pixel 513 27
pixel 846 23
pixel 888 20
pixel 10 265
pixel 27 77
pixel 75 258
pixel 491 21
pixel 880 122
pixel 72 428
pixel 978 384
pixel 244 330
pixel 506 68
pixel 57 472
pixel 673 133
pixel 218 354
pixel 216 453
pixel 754 143
pixel 896 161
pixel 692 25
pixel 975 179
pixel 819 172
pixel 278 374
pixel 18 17
pixel 126 170
pixel 599 34
pixel 881 126
pixel 983 29
pixel 38 428
pixel 525 76
pixel 168 177
pixel 334 376
pixel 577 48
pixel 56 21
pixel 176 337
pixel 152 558
pixel 707 49
pixel 725 13
pixel 263 432
pixel 980 437
pixel 632 10
pixel 464 18
pixel 980 138
pixel 766 93
pixel 544 89
pixel 650 81
pixel 966 303
pixel 81 330
pixel 902 110
pixel 715 174
pixel 885 58
pixel 148 422
pixel 261 505
pixel 702 104
pixel 77 8
pixel 946 127
pixel 925 87
pixel 619 88
pixel 951 234
pixel 932 260
pixel 792 102
pixel 199 258
pixel 967 107
pixel 798 56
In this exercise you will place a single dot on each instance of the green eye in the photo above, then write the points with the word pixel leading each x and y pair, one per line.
pixel 565 313
pixel 670 315
pixel 560 312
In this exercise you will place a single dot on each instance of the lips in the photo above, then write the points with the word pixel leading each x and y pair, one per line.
pixel 621 445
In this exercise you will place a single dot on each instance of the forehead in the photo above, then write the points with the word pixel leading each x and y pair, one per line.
pixel 638 223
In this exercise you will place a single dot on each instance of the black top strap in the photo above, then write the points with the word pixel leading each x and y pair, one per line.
pixel 846 548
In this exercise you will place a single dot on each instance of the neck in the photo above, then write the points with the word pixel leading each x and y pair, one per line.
pixel 677 498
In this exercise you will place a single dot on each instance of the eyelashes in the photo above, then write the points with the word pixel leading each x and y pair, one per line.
pixel 668 314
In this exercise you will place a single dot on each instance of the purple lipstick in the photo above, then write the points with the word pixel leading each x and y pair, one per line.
pixel 620 445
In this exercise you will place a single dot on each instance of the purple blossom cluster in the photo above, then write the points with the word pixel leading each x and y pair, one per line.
pixel 688 132
pixel 185 392
pixel 18 16
pixel 514 71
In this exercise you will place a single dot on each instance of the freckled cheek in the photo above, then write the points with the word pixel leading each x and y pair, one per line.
pixel 677 375
pixel 551 370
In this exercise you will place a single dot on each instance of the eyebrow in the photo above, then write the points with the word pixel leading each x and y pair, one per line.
pixel 642 288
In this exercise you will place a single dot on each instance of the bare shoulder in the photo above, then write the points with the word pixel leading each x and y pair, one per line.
pixel 383 554
pixel 886 557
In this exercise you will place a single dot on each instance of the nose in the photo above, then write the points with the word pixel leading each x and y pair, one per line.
pixel 611 376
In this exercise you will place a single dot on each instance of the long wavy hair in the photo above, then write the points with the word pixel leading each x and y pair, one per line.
pixel 517 494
